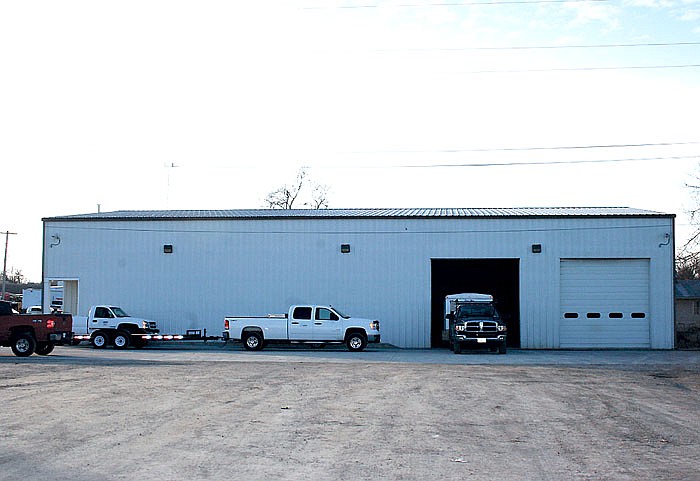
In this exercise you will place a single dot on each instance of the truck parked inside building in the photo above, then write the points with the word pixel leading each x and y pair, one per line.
pixel 472 320
pixel 310 324
pixel 27 334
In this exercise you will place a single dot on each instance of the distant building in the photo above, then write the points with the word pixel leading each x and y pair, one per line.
pixel 688 313
pixel 562 277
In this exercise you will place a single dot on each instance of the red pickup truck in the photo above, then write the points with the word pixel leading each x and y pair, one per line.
pixel 30 333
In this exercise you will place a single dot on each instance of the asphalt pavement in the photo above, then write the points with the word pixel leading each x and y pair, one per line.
pixel 220 352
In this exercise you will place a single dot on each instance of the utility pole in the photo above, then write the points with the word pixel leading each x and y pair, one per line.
pixel 4 265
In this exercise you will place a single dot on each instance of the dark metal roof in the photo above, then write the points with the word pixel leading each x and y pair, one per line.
pixel 689 289
pixel 246 214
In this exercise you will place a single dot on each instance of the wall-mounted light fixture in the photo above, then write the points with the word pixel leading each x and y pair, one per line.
pixel 55 240
pixel 667 240
pixel 536 248
pixel 345 248
pixel 167 248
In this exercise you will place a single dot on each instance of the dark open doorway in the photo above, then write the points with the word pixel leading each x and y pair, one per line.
pixel 498 277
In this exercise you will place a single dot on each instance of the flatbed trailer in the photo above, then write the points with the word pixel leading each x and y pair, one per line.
pixel 123 339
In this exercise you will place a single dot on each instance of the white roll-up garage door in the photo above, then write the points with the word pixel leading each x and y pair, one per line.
pixel 604 303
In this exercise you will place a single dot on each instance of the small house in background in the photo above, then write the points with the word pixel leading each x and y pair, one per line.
pixel 688 313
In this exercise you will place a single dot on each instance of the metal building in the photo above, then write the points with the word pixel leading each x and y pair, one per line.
pixel 563 277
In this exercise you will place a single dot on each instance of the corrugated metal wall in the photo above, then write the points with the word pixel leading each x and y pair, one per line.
pixel 251 267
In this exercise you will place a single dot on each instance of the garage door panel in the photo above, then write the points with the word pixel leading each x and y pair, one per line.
pixel 603 334
pixel 604 303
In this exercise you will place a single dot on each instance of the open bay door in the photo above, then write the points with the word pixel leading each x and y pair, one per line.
pixel 604 303
pixel 70 297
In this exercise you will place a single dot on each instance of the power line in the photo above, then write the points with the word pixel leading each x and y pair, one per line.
pixel 575 69
pixel 471 164
pixel 523 149
pixel 447 4
pixel 547 162
pixel 538 47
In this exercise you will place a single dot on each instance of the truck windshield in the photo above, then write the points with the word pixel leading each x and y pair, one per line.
pixel 475 310
pixel 119 312
pixel 340 313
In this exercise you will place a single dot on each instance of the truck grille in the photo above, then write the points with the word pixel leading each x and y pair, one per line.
pixel 482 326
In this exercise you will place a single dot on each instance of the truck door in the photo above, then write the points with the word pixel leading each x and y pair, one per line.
pixel 326 325
pixel 300 324
pixel 102 318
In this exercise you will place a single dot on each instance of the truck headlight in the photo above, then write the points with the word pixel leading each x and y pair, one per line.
pixel 502 328
pixel 459 328
pixel 374 325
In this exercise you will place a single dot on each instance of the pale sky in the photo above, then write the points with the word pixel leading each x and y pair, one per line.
pixel 376 98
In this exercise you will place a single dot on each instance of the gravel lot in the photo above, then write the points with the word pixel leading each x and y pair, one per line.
pixel 212 412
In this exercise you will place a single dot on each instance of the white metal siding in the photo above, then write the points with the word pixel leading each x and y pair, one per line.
pixel 598 291
pixel 259 266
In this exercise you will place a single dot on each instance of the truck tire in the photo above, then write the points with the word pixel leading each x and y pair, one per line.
pixel 502 349
pixel 44 348
pixel 458 348
pixel 23 344
pixel 99 340
pixel 121 340
pixel 356 341
pixel 253 341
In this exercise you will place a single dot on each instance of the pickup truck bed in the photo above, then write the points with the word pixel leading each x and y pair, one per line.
pixel 27 334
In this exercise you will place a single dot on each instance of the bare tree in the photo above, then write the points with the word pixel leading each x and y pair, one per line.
pixel 319 197
pixel 285 197
pixel 688 257
pixel 15 275
pixel 687 266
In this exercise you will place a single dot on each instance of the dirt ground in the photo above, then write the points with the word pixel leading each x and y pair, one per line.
pixel 82 414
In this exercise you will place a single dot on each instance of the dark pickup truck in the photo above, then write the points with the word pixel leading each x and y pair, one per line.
pixel 30 333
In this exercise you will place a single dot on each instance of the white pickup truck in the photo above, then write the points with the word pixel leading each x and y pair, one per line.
pixel 302 324
pixel 109 324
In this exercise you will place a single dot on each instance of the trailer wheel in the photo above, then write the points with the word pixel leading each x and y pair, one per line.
pixel 356 341
pixel 253 341
pixel 121 340
pixel 44 348
pixel 23 344
pixel 99 340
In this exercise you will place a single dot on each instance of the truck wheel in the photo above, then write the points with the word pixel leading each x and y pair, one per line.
pixel 44 348
pixel 253 341
pixel 502 349
pixel 99 340
pixel 458 348
pixel 121 340
pixel 23 344
pixel 356 342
